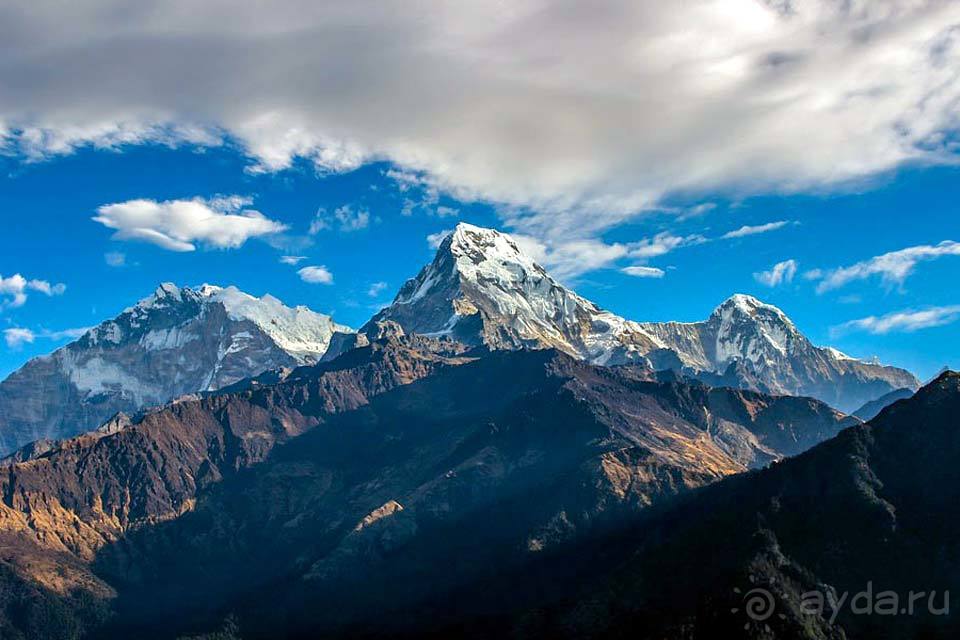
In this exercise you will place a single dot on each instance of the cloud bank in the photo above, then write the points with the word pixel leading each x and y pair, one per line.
pixel 574 116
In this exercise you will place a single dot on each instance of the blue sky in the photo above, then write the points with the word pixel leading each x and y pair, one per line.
pixel 658 156
pixel 48 209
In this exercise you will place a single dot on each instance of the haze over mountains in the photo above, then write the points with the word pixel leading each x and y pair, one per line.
pixel 481 289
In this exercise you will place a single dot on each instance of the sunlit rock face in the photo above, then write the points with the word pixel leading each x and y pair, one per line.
pixel 174 342
pixel 482 289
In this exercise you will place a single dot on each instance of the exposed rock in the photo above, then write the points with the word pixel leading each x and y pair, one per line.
pixel 512 454
pixel 482 289
pixel 177 341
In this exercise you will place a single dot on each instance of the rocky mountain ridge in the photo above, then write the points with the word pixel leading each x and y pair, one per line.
pixel 483 289
pixel 287 469
pixel 174 342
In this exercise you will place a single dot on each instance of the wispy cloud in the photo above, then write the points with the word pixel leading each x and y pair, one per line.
pixel 780 273
pixel 376 289
pixel 115 258
pixel 292 260
pixel 907 321
pixel 892 268
pixel 14 290
pixel 345 218
pixel 179 225
pixel 434 240
pixel 316 275
pixel 662 244
pixel 748 230
pixel 16 337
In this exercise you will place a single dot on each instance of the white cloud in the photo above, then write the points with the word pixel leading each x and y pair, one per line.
pixel 434 240
pixel 13 290
pixel 568 259
pixel 892 268
pixel 780 273
pixel 577 116
pixel 64 334
pixel 902 321
pixel 695 211
pixel 292 260
pixel 662 244
pixel 316 275
pixel 747 230
pixel 17 337
pixel 46 288
pixel 179 225
pixel 447 212
pixel 639 271
pixel 346 218
pixel 115 258
pixel 376 289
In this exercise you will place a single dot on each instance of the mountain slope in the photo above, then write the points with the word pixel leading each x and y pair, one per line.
pixel 872 409
pixel 748 343
pixel 873 511
pixel 405 445
pixel 65 503
pixel 482 289
pixel 174 342
pixel 476 466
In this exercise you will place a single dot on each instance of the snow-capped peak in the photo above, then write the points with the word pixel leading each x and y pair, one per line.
pixel 741 303
pixel 298 330
pixel 177 341
pixel 490 255
pixel 748 329
pixel 482 287
pixel 470 240
pixel 302 333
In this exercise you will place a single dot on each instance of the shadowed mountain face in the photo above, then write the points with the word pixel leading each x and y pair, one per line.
pixel 174 342
pixel 404 449
pixel 482 289
pixel 828 545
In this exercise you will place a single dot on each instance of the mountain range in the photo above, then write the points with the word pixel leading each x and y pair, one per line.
pixel 460 492
pixel 491 454
pixel 481 290
pixel 390 444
